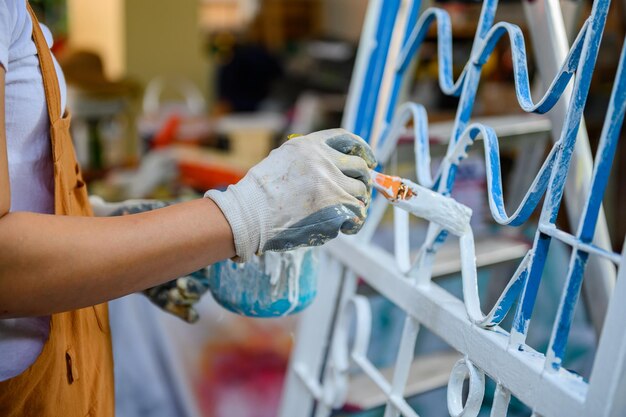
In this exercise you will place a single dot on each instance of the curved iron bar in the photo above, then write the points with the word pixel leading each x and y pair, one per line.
pixel 417 114
pixel 520 66
pixel 453 87
pixel 444 49
pixel 467 85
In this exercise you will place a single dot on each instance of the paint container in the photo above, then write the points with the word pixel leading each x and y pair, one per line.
pixel 272 285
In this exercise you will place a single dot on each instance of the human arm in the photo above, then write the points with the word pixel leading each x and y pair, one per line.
pixel 178 296
pixel 303 194
pixel 57 263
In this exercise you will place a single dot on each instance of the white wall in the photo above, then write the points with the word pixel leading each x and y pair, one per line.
pixel 98 25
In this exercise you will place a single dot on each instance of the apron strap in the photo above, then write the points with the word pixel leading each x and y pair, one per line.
pixel 48 71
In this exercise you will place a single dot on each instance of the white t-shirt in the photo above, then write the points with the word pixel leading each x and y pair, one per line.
pixel 30 162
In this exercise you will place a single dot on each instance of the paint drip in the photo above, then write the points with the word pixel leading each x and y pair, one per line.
pixel 284 269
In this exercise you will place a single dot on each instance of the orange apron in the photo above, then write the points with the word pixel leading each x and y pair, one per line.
pixel 73 376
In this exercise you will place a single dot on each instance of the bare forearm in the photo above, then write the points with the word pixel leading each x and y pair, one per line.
pixel 56 263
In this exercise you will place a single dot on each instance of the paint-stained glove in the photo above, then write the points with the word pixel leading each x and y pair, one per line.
pixel 303 194
pixel 178 296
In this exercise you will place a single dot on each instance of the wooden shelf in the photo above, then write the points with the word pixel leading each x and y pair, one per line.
pixel 491 250
pixel 504 126
pixel 427 372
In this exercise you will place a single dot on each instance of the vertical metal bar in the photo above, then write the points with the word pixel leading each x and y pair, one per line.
pixel 501 400
pixel 403 362
pixel 347 291
pixel 587 224
pixel 607 384
pixel 547 30
pixel 559 176
pixel 391 82
pixel 311 340
pixel 468 95
pixel 411 20
pixel 367 44
pixel 375 69
pixel 527 298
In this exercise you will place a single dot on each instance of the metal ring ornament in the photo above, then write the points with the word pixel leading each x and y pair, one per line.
pixel 463 369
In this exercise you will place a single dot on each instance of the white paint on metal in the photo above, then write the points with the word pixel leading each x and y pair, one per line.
pixel 501 399
pixel 464 369
pixel 607 383
pixel 432 206
pixel 313 335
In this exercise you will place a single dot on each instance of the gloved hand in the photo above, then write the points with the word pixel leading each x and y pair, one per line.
pixel 178 296
pixel 303 194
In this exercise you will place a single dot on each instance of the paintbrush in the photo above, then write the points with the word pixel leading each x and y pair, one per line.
pixel 424 202
pixel 421 201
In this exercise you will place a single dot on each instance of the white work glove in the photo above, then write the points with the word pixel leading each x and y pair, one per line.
pixel 303 194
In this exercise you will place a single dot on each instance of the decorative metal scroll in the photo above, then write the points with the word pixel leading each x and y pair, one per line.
pixel 540 381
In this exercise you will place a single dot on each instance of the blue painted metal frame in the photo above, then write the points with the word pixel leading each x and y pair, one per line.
pixel 549 181
pixel 375 69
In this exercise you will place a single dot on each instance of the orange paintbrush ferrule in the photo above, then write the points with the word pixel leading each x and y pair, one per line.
pixel 393 188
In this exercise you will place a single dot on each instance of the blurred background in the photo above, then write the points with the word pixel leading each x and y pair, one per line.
pixel 171 98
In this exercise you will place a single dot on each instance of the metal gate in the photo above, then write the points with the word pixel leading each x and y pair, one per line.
pixel 334 333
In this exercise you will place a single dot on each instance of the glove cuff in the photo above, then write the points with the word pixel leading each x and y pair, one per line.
pixel 242 204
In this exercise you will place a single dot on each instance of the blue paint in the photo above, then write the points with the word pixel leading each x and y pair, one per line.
pixel 606 151
pixel 504 305
pixel 246 289
pixel 566 310
pixel 526 303
pixel 471 80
